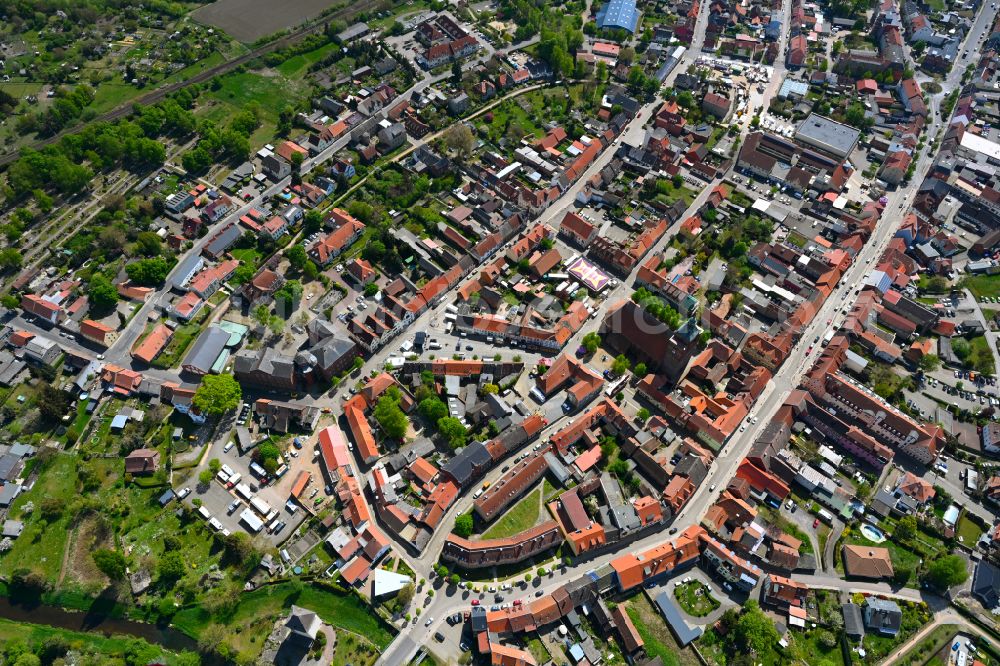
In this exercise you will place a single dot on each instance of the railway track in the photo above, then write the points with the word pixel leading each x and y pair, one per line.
pixel 161 93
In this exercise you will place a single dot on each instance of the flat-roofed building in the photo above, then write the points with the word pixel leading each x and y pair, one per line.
pixel 827 135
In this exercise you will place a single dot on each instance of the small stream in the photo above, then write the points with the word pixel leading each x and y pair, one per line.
pixel 95 622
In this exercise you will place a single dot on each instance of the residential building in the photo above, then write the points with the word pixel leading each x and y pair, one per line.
pixel 498 552
pixel 867 562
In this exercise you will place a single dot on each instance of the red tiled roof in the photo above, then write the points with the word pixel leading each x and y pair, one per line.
pixel 152 344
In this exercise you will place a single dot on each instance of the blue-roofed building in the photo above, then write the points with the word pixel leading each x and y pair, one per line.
pixel 618 14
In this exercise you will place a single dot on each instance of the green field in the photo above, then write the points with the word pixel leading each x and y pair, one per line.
pixel 518 518
pixel 43 542
pixel 297 66
pixel 983 285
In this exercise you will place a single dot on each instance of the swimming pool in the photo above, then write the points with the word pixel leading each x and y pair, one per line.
pixel 872 533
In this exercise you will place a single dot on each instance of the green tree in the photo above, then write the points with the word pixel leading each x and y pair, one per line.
pixel 640 369
pixel 102 294
pixel 906 529
pixel 390 417
pixel 930 362
pixel 371 289
pixel 243 273
pixel 170 567
pixel 148 244
pixel 643 414
pixel 460 139
pixel 754 631
pixel 405 595
pixel 620 365
pixel 591 341
pixel 205 477
pixel 463 525
pixel 110 562
pixel 297 256
pixel 217 394
pixel 287 297
pixel 452 430
pixel 10 259
pixel 433 409
pixel 312 222
pixel 947 572
pixel 148 272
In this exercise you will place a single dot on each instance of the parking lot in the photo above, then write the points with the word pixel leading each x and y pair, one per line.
pixel 219 501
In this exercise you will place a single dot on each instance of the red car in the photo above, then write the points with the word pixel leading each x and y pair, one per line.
pixel 815 525
pixel 475 602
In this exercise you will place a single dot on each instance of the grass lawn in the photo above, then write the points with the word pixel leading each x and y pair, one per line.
pixel 982 356
pixel 354 650
pixel 342 610
pixel 932 643
pixel 667 193
pixel 807 648
pixel 983 285
pixel 969 531
pixel 549 491
pixel 108 647
pixel 828 605
pixel 297 66
pixel 695 598
pixel 659 642
pixel 41 547
pixel 537 650
pixel 518 518
pixel 111 95
pixel 249 255
pixel 506 115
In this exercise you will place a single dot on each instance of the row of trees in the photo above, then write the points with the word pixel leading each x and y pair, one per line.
pixel 67 167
